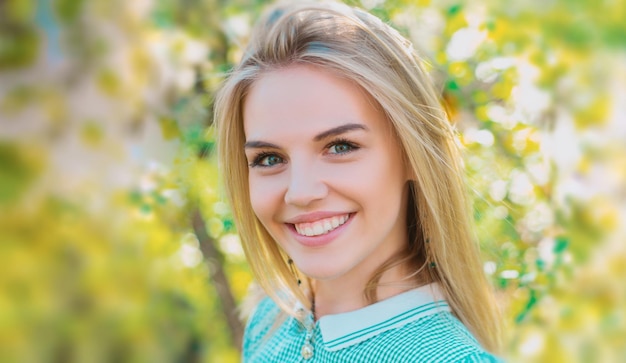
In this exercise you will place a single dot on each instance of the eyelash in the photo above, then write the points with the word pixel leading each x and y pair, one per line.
pixel 257 161
pixel 342 141
pixel 259 158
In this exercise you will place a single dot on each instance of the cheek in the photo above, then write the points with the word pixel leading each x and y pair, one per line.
pixel 264 197
pixel 378 174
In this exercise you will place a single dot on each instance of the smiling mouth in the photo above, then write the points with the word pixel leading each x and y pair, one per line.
pixel 321 227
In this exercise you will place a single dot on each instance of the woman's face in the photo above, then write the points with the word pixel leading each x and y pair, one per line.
pixel 326 174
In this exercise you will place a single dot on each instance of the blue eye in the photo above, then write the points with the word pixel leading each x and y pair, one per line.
pixel 341 147
pixel 266 160
pixel 271 160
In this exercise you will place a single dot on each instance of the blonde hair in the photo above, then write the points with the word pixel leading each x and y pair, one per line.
pixel 358 46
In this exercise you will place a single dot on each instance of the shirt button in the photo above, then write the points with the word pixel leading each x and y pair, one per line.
pixel 307 351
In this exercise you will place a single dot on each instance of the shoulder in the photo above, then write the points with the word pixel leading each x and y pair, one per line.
pixel 439 337
pixel 481 357
pixel 269 333
pixel 261 320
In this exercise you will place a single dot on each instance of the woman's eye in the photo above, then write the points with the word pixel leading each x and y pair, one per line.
pixel 341 148
pixel 267 160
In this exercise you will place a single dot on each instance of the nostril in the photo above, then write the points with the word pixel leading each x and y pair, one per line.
pixel 304 193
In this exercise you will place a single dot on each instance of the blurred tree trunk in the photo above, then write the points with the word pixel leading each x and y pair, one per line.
pixel 218 276
pixel 218 42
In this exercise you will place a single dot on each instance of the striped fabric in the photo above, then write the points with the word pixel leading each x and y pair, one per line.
pixel 415 326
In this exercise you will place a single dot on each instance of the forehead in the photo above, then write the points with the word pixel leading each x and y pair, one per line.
pixel 306 99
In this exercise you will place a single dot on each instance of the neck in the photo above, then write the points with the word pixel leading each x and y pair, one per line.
pixel 334 296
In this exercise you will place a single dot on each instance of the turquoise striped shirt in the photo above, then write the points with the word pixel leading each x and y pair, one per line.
pixel 415 326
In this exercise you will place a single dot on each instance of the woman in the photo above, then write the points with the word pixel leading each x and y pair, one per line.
pixel 346 186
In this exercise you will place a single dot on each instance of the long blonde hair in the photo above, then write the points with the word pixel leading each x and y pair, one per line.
pixel 356 45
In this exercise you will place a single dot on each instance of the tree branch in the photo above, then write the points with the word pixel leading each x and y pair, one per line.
pixel 218 276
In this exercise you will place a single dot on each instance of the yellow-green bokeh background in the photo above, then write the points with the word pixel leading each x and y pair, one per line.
pixel 106 154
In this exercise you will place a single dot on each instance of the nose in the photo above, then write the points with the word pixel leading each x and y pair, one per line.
pixel 305 186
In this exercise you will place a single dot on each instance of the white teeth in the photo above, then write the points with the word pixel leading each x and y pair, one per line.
pixel 327 225
pixel 320 227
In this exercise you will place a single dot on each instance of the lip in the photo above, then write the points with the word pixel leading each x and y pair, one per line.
pixel 321 240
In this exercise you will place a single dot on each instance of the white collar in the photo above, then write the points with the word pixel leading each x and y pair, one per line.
pixel 346 329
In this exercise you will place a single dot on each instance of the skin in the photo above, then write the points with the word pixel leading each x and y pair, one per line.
pixel 318 147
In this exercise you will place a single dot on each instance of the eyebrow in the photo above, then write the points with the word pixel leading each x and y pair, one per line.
pixel 260 145
pixel 340 130
pixel 321 136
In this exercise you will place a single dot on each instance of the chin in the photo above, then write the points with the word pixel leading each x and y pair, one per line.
pixel 324 266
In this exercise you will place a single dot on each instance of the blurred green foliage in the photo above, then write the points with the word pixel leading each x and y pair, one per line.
pixel 107 151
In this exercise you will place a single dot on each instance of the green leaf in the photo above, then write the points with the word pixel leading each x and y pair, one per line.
pixel 454 9
pixel 561 245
